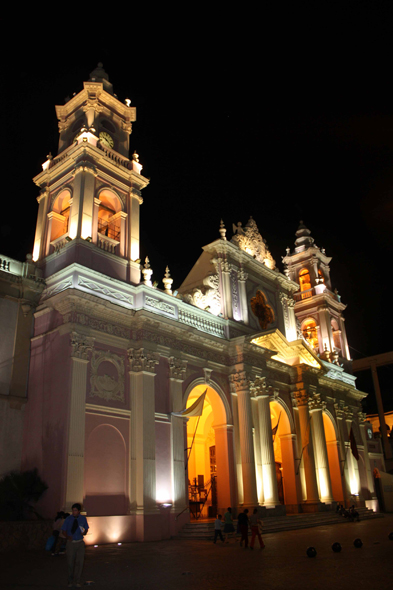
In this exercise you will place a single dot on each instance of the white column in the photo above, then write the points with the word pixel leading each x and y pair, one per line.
pixel 369 474
pixel 88 202
pixel 242 279
pixel 226 278
pixel 322 462
pixel 354 479
pixel 343 437
pixel 241 383
pixel 307 447
pixel 177 374
pixel 257 449
pixel 39 239
pixel 270 492
pixel 238 455
pixel 345 351
pixel 81 348
pixel 143 437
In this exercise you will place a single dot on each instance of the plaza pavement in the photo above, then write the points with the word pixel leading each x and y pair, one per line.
pixel 176 564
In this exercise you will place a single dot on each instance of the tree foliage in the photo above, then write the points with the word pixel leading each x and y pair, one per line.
pixel 18 492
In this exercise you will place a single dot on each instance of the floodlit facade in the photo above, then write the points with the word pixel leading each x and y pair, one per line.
pixel 112 357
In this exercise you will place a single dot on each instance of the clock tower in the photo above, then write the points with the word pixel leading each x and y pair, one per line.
pixel 90 193
pixel 318 308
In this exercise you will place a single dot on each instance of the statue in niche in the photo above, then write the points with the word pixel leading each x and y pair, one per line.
pixel 262 310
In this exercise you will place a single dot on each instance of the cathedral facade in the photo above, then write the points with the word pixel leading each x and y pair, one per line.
pixel 114 361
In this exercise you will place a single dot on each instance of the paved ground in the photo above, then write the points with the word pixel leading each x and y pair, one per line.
pixel 172 565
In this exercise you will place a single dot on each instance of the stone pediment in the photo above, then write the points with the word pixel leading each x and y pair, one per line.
pixel 250 240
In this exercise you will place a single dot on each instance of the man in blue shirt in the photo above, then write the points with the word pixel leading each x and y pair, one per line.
pixel 75 527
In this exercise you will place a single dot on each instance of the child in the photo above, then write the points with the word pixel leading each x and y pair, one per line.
pixel 217 529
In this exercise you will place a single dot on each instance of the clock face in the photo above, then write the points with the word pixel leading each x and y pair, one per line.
pixel 106 139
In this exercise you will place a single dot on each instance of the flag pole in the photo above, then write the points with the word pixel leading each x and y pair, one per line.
pixel 276 428
pixel 193 438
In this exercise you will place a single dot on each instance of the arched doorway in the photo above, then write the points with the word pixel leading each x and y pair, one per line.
pixel 332 446
pixel 284 454
pixel 210 451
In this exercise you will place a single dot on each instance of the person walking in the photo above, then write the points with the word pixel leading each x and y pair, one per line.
pixel 75 527
pixel 217 529
pixel 58 523
pixel 255 523
pixel 243 526
pixel 228 525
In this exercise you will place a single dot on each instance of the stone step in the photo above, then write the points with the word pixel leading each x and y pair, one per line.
pixel 205 531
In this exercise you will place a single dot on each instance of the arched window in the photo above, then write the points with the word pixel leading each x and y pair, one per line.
pixel 305 283
pixel 61 215
pixel 310 334
pixel 109 216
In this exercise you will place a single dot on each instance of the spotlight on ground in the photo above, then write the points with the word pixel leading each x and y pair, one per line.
pixel 336 547
pixel 95 545
pixel 358 543
pixel 311 552
pixel 119 543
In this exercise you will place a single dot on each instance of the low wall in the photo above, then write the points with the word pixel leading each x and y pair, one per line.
pixel 24 535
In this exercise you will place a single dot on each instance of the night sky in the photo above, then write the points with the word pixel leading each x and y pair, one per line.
pixel 287 118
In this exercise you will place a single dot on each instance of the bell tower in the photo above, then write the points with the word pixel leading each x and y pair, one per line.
pixel 90 193
pixel 318 309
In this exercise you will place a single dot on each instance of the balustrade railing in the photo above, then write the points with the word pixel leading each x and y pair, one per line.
pixel 60 242
pixel 107 244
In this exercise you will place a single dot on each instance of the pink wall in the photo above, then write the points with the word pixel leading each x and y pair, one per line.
pixel 106 465
pixel 45 438
pixel 163 462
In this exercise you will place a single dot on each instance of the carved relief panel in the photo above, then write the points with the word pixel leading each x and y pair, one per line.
pixel 107 376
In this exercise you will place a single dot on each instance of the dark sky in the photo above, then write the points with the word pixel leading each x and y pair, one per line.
pixel 284 117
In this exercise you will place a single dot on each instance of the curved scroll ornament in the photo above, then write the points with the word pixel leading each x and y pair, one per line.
pixel 208 296
pixel 262 310
pixel 250 240
pixel 108 387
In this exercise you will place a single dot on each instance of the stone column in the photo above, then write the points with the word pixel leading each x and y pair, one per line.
pixel 123 234
pixel 177 374
pixel 344 469
pixel 226 281
pixel 81 348
pixel 345 351
pixel 39 239
pixel 316 405
pixel 86 220
pixel 238 455
pixel 242 279
pixel 226 494
pixel 307 447
pixel 354 479
pixel 240 383
pixel 257 448
pixel 94 230
pixel 143 439
pixel 369 472
pixel 270 492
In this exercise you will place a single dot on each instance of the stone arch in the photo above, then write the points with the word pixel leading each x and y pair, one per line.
pixel 284 452
pixel 212 454
pixel 333 451
pixel 59 214
pixel 217 388
pixel 109 218
pixel 105 471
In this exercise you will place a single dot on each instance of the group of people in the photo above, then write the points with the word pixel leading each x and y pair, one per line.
pixel 244 522
pixel 70 529
pixel 352 514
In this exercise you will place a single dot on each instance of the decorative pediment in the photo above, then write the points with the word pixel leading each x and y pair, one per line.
pixel 250 240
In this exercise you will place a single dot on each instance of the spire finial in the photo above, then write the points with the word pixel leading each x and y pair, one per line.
pixel 147 272
pixel 167 281
pixel 222 230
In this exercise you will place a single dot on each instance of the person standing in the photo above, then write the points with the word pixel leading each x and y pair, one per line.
pixel 255 523
pixel 75 527
pixel 217 529
pixel 243 526
pixel 228 525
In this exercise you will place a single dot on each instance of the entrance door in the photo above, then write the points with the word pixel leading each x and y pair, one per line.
pixel 280 486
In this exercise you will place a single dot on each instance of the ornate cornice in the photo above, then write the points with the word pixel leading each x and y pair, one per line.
pixel 177 368
pixel 239 382
pixel 316 402
pixel 81 346
pixel 142 360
